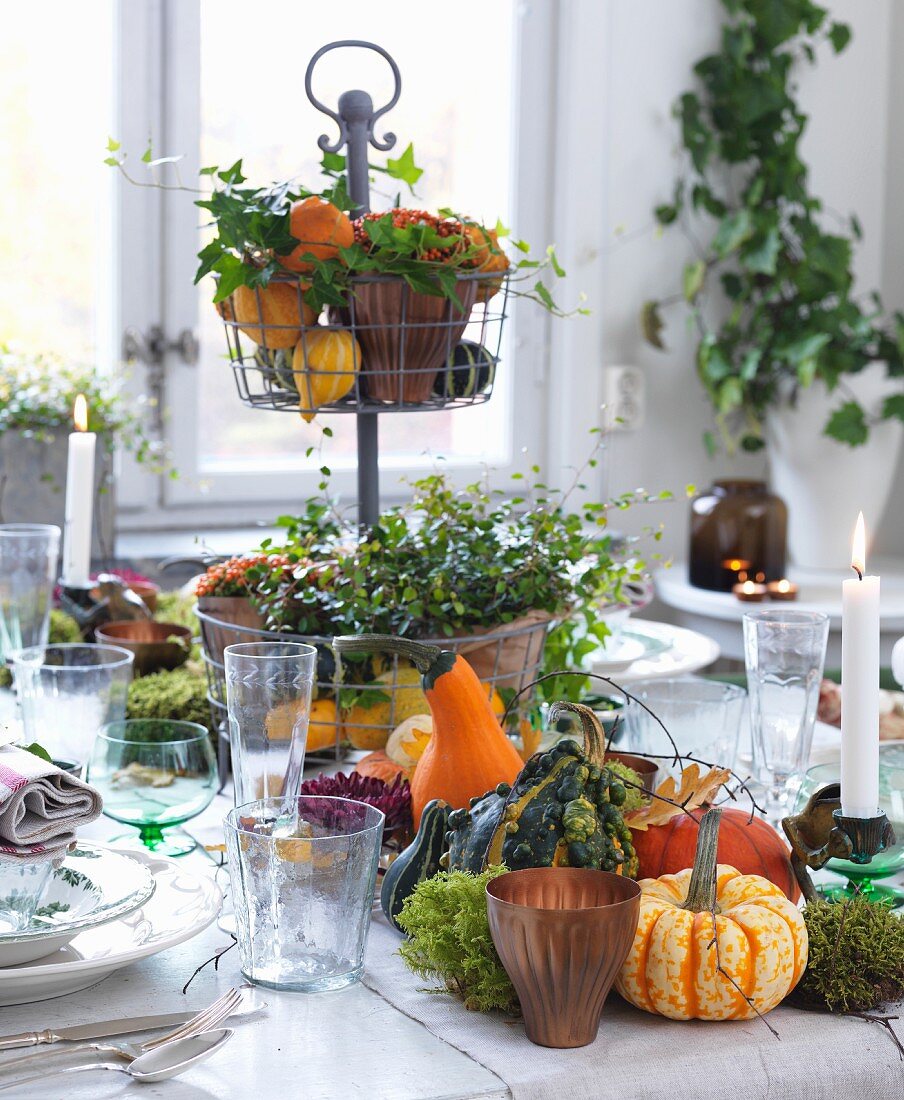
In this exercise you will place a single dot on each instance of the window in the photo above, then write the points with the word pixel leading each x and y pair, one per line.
pixel 55 114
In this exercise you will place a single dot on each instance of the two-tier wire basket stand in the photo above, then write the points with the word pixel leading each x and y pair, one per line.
pixel 410 351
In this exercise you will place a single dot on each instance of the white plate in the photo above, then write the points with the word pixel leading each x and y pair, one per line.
pixel 184 903
pixel 93 886
pixel 636 644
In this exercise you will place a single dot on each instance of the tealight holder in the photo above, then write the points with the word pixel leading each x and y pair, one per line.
pixel 821 832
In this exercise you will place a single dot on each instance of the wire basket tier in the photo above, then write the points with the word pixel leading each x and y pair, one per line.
pixel 389 349
pixel 373 696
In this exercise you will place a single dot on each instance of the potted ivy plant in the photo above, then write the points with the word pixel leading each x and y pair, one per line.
pixel 37 395
pixel 798 361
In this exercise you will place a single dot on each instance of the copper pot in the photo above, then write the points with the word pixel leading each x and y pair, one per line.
pixel 562 934
pixel 646 769
pixel 406 336
pixel 156 645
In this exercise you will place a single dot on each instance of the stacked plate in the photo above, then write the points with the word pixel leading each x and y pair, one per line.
pixel 102 910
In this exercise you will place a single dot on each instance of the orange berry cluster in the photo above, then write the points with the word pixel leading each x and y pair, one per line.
pixel 403 217
pixel 229 578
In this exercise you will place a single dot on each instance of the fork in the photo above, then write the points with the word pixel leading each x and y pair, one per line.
pixel 205 1020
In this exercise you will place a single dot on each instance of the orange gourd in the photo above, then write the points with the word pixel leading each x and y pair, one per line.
pixel 757 935
pixel 377 765
pixel 469 752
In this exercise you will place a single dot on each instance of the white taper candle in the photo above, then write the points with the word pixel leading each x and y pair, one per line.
pixel 79 520
pixel 860 686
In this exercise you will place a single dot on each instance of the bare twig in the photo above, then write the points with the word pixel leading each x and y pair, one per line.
pixel 215 959
pixel 883 1021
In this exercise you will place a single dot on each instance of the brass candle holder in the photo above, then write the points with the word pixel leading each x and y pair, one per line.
pixel 821 832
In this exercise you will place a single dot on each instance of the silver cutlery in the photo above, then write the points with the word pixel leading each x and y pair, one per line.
pixel 231 1004
pixel 156 1065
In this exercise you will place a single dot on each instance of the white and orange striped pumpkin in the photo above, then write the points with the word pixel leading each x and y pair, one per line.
pixel 324 365
pixel 673 968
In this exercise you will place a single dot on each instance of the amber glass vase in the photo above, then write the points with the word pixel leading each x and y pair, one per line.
pixel 738 531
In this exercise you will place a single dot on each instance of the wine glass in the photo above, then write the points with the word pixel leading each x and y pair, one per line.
pixel 154 773
pixel 864 876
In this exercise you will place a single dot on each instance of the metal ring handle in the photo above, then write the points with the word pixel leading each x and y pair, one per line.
pixel 389 139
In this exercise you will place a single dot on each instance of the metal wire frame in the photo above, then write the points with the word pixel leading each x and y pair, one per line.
pixel 507 658
pixel 400 364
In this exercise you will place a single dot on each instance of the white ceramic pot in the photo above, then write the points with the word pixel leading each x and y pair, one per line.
pixel 826 483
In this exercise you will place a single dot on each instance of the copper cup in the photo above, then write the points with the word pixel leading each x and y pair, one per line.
pixel 646 769
pixel 562 934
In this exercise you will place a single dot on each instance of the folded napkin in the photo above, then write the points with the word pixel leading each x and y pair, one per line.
pixel 41 807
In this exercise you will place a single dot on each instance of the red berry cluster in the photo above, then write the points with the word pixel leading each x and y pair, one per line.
pixel 403 217
pixel 229 578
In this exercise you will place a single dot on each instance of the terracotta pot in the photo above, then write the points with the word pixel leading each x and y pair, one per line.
pixel 405 336
pixel 509 655
pixel 156 645
pixel 225 612
pixel 646 769
pixel 562 934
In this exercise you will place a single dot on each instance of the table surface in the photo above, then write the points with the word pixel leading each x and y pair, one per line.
pixel 321 1046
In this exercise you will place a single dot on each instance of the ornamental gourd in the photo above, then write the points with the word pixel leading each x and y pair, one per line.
pixel 469 751
pixel 563 811
pixel 324 365
pixel 711 943
pixel 419 861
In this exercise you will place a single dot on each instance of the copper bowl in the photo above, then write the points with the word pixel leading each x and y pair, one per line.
pixel 156 645
pixel 646 769
pixel 562 934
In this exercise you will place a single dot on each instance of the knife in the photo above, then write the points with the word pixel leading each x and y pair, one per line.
pixel 103 1030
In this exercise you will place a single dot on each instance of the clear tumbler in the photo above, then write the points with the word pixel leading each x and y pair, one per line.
pixel 268 695
pixel 303 902
pixel 784 652
pixel 28 562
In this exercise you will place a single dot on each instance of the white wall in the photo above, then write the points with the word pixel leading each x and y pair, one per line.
pixel 648 48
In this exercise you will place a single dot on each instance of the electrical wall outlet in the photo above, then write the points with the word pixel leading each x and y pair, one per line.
pixel 626 399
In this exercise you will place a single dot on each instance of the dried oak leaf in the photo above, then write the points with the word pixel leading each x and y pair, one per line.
pixel 695 791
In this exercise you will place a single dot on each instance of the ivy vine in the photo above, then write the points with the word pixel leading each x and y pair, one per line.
pixel 792 315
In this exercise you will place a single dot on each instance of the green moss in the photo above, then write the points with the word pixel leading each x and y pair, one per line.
pixel 634 797
pixel 177 607
pixel 446 920
pixel 856 959
pixel 180 694
pixel 63 628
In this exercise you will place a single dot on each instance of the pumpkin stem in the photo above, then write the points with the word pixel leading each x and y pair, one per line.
pixel 701 894
pixel 421 655
pixel 594 738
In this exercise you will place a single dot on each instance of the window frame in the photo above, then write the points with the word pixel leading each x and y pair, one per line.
pixel 555 364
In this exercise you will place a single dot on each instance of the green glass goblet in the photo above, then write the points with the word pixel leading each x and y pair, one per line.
pixel 154 774
pixel 866 877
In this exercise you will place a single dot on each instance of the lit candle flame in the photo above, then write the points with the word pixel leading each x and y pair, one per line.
pixel 858 552
pixel 80 413
pixel 784 586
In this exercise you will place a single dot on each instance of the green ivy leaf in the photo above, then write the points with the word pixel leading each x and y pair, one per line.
pixel 692 280
pixel 760 255
pixel 839 36
pixel 651 324
pixel 848 425
pixel 665 214
pixel 734 230
pixel 731 395
pixel 893 407
pixel 403 167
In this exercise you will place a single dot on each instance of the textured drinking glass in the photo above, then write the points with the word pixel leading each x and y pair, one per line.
pixel 268 694
pixel 28 561
pixel 21 887
pixel 154 773
pixel 784 652
pixel 67 692
pixel 702 716
pixel 863 877
pixel 303 902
